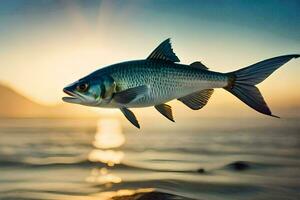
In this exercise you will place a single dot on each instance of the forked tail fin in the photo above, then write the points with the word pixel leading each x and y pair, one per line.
pixel 242 82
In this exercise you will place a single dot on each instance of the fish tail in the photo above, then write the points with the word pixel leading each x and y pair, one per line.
pixel 241 83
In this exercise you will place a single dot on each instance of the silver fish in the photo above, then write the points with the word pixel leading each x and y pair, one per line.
pixel 160 78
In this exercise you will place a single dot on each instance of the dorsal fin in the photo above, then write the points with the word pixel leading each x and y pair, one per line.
pixel 198 65
pixel 197 100
pixel 164 52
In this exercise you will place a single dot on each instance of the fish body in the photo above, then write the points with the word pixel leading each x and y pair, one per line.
pixel 166 80
pixel 160 78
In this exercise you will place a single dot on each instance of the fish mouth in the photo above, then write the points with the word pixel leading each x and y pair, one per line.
pixel 72 98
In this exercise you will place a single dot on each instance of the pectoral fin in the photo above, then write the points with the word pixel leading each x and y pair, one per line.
pixel 197 100
pixel 130 116
pixel 131 94
pixel 165 110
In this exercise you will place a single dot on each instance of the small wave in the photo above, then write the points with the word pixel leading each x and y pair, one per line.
pixel 151 195
pixel 16 163
pixel 84 163
pixel 57 162
pixel 186 189
pixel 248 165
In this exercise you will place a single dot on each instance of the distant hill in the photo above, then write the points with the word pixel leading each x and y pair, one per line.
pixel 15 105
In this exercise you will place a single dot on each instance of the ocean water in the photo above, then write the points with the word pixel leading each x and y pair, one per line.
pixel 212 159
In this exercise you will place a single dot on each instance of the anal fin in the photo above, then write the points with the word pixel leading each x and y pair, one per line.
pixel 165 110
pixel 197 100
pixel 130 116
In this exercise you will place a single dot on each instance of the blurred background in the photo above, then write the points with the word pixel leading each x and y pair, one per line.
pixel 53 150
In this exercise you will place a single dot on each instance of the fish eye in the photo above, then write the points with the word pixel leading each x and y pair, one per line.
pixel 82 87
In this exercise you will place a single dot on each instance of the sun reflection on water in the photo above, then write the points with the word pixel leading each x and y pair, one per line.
pixel 110 157
pixel 109 134
pixel 108 137
pixel 102 176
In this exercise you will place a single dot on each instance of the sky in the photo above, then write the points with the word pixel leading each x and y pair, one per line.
pixel 48 44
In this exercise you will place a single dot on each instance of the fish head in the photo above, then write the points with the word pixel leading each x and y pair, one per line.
pixel 84 92
pixel 95 91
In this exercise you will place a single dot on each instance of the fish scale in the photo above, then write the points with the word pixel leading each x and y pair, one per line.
pixel 166 80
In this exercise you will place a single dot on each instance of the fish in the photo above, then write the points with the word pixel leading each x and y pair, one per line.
pixel 160 78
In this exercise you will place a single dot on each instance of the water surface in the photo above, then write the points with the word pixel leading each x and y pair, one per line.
pixel 87 159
